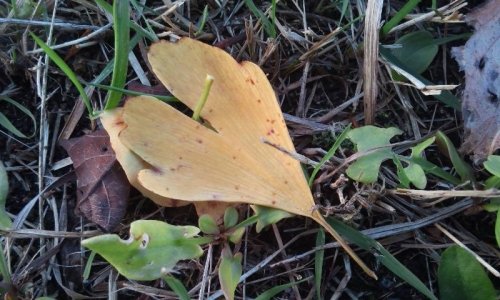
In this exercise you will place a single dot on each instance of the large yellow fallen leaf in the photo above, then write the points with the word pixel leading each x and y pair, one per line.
pixel 190 162
pixel 112 121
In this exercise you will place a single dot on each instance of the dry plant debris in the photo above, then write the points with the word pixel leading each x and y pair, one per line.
pixel 102 187
pixel 480 59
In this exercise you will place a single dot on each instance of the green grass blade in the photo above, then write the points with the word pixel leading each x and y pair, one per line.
pixel 266 23
pixel 446 147
pixel 383 256
pixel 88 266
pixel 7 124
pixel 121 25
pixel 24 110
pixel 203 20
pixel 329 154
pixel 66 70
pixel 177 286
pixel 270 293
pixel 134 93
pixel 400 15
pixel 318 262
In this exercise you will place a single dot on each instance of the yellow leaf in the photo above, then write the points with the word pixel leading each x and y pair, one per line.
pixel 113 123
pixel 190 162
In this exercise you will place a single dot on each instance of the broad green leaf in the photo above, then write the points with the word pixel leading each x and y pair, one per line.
pixel 153 248
pixel 417 50
pixel 177 286
pixel 366 168
pixel 447 148
pixel 5 221
pixel 318 262
pixel 230 271
pixel 267 216
pixel 461 277
pixel 208 225
pixel 382 255
pixel 270 293
pixel 230 217
pixel 445 97
pixel 492 164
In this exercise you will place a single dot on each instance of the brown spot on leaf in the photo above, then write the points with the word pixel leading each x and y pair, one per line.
pixel 199 141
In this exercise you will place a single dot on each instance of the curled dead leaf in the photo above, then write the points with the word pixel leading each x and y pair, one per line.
pixel 102 187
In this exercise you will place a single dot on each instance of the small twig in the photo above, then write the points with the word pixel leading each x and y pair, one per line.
pixel 209 80
pixel 64 25
pixel 479 258
pixel 423 194
pixel 75 42
pixel 301 158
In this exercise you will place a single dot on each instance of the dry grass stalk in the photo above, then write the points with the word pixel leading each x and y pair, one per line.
pixel 370 65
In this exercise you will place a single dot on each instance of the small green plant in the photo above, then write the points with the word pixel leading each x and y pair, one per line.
pixel 374 148
pixel 492 165
pixel 461 277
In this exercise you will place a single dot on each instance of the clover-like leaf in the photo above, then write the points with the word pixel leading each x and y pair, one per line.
pixel 230 271
pixel 267 216
pixel 153 248
pixel 460 276
pixel 208 225
pixel 366 168
pixel 414 171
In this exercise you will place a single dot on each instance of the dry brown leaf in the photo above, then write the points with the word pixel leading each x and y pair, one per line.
pixel 190 162
pixel 480 59
pixel 102 185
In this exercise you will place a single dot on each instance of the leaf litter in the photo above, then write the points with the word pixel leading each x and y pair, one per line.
pixel 279 65
pixel 480 60
pixel 102 187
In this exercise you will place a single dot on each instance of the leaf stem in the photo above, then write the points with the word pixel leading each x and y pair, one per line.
pixel 203 98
